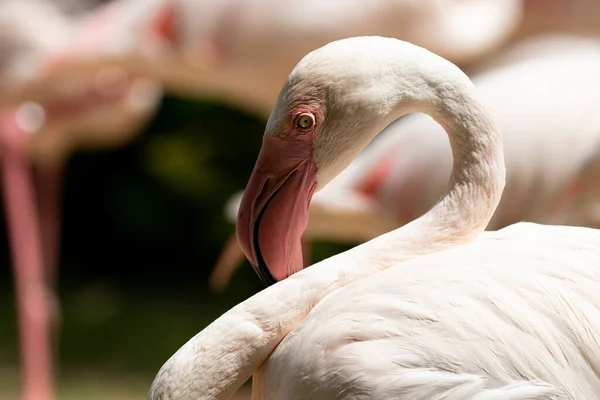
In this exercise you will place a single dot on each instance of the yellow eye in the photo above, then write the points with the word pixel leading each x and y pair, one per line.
pixel 305 121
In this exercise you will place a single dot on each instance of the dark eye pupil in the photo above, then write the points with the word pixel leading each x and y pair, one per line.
pixel 304 122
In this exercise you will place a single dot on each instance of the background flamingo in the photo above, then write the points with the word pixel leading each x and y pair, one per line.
pixel 213 48
pixel 104 111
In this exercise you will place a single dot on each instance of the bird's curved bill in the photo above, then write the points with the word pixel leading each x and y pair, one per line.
pixel 274 210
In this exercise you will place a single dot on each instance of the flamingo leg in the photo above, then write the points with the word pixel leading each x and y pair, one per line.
pixel 26 248
pixel 49 193
pixel 307 247
pixel 232 256
pixel 228 262
pixel 566 196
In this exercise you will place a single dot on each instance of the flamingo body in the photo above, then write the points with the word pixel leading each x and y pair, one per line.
pixel 511 316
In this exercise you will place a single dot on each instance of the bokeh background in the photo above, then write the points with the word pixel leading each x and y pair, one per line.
pixel 143 225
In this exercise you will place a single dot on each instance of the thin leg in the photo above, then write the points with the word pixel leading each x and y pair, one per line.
pixel 25 242
pixel 49 190
pixel 49 194
pixel 307 247
pixel 228 262
pixel 566 196
pixel 231 257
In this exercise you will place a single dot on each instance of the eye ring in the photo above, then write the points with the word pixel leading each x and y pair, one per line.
pixel 305 121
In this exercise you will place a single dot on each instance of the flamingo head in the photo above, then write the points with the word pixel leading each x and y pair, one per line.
pixel 333 103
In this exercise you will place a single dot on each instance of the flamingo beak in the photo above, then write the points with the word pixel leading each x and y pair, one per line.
pixel 274 210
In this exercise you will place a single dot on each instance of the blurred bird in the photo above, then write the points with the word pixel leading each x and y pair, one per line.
pixel 36 138
pixel 240 52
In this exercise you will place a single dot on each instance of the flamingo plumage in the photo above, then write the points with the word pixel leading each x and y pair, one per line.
pixel 435 309
pixel 118 55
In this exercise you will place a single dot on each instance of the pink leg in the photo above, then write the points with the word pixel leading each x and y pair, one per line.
pixel 32 300
pixel 229 260
pixel 306 251
pixel 49 189
pixel 232 255
pixel 567 195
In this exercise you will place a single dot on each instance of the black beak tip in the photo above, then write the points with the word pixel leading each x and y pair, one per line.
pixel 263 273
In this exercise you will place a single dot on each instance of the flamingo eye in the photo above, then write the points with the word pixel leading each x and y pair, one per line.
pixel 305 121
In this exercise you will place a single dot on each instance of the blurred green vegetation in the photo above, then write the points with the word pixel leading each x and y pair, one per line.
pixel 143 226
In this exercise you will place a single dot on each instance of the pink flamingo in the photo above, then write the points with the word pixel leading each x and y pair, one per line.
pixel 378 192
pixel 436 309
pixel 162 39
pixel 37 137
pixel 239 51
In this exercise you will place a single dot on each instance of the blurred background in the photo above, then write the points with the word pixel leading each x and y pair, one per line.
pixel 133 122
pixel 143 225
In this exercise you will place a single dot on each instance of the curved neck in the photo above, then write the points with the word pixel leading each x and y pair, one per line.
pixel 218 360
pixel 474 189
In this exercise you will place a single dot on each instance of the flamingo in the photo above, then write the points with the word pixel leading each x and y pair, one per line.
pixel 180 71
pixel 36 139
pixel 352 211
pixel 239 52
pixel 218 48
pixel 578 203
pixel 405 171
pixel 435 309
